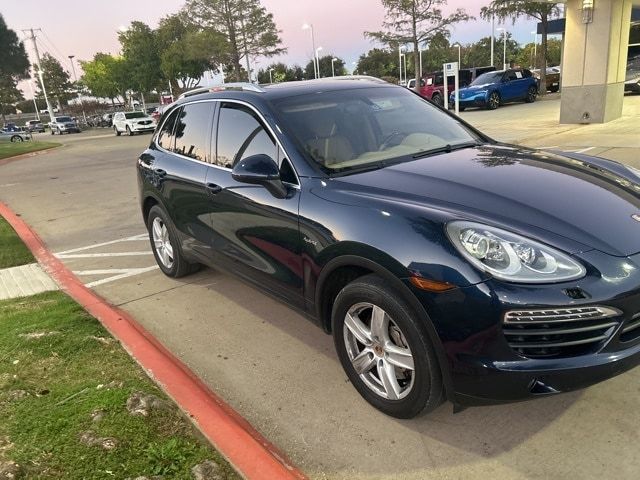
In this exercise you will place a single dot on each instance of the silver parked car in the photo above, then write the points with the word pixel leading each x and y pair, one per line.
pixel 14 136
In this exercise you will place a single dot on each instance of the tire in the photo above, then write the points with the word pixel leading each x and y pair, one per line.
pixel 16 139
pixel 52 132
pixel 554 89
pixel 438 99
pixel 115 129
pixel 129 132
pixel 532 93
pixel 416 391
pixel 462 109
pixel 171 262
pixel 494 101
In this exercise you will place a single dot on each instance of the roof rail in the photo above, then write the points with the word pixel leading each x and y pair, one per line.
pixel 356 77
pixel 243 86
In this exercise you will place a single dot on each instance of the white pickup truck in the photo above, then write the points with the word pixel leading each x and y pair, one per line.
pixel 62 125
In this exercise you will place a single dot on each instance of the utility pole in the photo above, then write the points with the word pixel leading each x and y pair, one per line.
pixel 33 94
pixel 73 69
pixel 32 37
pixel 493 34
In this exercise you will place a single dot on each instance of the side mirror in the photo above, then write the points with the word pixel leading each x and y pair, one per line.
pixel 262 170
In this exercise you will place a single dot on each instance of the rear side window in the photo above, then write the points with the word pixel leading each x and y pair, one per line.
pixel 192 129
pixel 240 135
pixel 165 136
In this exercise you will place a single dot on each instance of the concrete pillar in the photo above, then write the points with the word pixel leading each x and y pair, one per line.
pixel 594 62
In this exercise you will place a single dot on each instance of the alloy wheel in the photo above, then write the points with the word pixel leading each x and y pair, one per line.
pixel 494 101
pixel 16 139
pixel 378 351
pixel 162 242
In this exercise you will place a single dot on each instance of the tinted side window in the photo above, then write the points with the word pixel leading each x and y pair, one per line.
pixel 192 130
pixel 240 135
pixel 165 136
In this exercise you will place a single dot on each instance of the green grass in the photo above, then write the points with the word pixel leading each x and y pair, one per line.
pixel 9 149
pixel 63 374
pixel 12 250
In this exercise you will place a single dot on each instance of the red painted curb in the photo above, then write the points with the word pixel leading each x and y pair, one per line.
pixel 253 456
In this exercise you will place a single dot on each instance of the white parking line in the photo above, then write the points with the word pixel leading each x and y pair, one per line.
pixel 130 273
pixel 584 150
pixel 100 255
pixel 134 238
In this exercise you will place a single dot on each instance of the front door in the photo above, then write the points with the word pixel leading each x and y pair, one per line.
pixel 256 234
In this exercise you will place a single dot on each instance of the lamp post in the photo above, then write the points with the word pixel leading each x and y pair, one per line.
pixel 457 44
pixel 75 77
pixel 535 48
pixel 504 47
pixel 318 61
pixel 493 34
pixel 270 76
pixel 316 66
pixel 333 70
pixel 400 54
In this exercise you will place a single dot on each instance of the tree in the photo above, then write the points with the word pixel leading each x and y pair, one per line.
pixel 281 73
pixel 9 96
pixel 140 53
pixel 186 51
pixel 106 76
pixel 56 79
pixel 14 66
pixel 541 11
pixel 325 67
pixel 415 22
pixel 478 54
pixel 378 62
pixel 246 25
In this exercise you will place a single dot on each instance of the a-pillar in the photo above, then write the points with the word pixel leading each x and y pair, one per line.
pixel 594 61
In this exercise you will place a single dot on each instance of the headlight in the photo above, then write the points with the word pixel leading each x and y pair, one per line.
pixel 511 257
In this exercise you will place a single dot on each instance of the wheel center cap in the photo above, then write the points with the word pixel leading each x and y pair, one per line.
pixel 378 350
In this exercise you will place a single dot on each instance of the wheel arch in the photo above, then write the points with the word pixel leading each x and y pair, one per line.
pixel 357 266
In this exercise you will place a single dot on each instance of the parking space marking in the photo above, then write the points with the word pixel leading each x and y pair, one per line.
pixel 99 255
pixel 130 273
pixel 583 150
pixel 142 236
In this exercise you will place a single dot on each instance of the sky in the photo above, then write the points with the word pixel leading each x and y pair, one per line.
pixel 84 27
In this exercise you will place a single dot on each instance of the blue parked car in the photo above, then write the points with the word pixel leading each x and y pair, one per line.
pixel 492 89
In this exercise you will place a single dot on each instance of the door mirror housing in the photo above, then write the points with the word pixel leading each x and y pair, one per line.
pixel 262 170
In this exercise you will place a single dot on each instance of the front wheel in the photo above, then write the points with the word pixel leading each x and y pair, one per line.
pixel 116 131
pixel 165 245
pixel 129 131
pixel 384 350
pixel 532 93
pixel 16 139
pixel 494 101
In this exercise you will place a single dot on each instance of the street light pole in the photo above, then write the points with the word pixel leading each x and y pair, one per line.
pixel 318 62
pixel 333 70
pixel 75 77
pixel 493 34
pixel 459 55
pixel 535 48
pixel 504 47
pixel 270 76
pixel 316 65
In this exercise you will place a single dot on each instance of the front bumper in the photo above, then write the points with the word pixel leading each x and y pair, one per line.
pixel 477 100
pixel 143 128
pixel 632 86
pixel 481 367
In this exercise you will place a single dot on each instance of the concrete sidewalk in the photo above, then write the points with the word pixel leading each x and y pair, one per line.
pixel 24 281
pixel 536 125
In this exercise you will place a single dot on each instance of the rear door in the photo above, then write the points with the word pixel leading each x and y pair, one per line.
pixel 256 234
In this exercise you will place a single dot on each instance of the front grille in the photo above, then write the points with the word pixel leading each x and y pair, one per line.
pixel 631 330
pixel 559 333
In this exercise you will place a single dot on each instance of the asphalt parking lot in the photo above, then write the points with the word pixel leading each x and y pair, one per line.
pixel 280 371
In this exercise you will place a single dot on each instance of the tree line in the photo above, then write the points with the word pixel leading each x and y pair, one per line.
pixel 226 36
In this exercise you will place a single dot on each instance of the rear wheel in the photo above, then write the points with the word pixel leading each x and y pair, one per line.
pixel 16 139
pixel 554 89
pixel 129 131
pixel 437 99
pixel 494 101
pixel 532 93
pixel 165 245
pixel 384 349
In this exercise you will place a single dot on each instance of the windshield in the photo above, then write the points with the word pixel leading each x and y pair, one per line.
pixel 135 115
pixel 63 119
pixel 352 129
pixel 490 77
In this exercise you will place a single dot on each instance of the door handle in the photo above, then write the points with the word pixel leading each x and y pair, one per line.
pixel 160 172
pixel 213 188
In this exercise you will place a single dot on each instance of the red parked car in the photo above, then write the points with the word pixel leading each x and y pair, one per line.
pixel 432 86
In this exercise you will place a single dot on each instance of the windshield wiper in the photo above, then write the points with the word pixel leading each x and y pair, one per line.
pixel 448 148
pixel 367 167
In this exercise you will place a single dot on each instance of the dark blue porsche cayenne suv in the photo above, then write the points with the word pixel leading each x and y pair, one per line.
pixel 445 265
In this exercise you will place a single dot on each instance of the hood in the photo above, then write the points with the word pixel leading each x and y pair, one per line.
pixel 476 88
pixel 572 198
